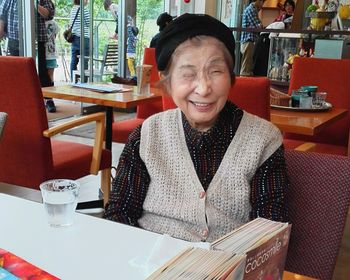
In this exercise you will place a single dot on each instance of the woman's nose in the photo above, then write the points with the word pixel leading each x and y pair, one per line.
pixel 203 85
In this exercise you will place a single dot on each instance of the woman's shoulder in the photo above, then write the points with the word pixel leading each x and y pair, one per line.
pixel 260 124
pixel 164 116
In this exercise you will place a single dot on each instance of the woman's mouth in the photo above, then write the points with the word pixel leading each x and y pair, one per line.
pixel 202 106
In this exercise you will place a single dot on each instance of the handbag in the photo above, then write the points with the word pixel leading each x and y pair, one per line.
pixel 68 33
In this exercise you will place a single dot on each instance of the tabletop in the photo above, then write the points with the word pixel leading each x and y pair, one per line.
pixel 124 99
pixel 306 123
pixel 92 248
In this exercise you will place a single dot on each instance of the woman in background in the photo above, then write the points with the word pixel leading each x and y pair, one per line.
pixel 288 10
pixel 113 8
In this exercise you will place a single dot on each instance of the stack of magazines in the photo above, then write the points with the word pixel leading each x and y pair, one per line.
pixel 256 250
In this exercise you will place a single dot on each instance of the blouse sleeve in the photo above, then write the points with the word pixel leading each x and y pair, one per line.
pixel 269 189
pixel 129 188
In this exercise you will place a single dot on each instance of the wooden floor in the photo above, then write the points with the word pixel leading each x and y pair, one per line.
pixel 90 186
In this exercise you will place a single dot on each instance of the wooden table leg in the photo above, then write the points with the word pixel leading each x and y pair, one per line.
pixel 109 120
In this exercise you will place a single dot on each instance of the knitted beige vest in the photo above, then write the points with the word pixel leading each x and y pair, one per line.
pixel 176 203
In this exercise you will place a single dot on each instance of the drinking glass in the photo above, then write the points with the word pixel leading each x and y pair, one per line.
pixel 143 73
pixel 60 198
pixel 319 99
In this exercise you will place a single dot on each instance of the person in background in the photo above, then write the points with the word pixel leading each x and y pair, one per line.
pixel 77 34
pixel 163 20
pixel 131 42
pixel 51 56
pixel 9 25
pixel 113 8
pixel 199 171
pixel 250 20
pixel 288 10
pixel 45 11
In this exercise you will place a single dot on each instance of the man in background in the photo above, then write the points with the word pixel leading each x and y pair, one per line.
pixel 248 39
pixel 9 25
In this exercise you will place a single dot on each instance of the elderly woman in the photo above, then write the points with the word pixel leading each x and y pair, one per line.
pixel 207 167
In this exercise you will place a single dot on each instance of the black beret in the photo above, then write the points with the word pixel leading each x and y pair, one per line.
pixel 187 26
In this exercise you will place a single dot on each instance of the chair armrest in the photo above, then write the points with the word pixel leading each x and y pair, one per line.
pixel 99 118
pixel 306 147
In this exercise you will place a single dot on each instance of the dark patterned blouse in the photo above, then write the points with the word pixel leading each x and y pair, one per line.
pixel 207 149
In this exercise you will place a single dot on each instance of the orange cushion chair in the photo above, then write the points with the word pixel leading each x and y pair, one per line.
pixel 122 129
pixel 28 156
pixel 331 76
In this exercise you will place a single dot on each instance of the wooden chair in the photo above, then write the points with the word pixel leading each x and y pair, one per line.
pixel 28 155
pixel 3 117
pixel 319 198
pixel 108 65
pixel 122 129
pixel 331 76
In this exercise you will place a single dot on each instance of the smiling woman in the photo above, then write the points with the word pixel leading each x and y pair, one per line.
pixel 203 169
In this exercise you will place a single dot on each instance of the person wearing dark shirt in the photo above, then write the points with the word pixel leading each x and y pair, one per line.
pixel 203 169
pixel 163 20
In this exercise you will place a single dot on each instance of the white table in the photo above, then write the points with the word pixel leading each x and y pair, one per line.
pixel 92 248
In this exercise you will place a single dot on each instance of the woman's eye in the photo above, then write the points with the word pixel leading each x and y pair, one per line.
pixel 188 75
pixel 215 71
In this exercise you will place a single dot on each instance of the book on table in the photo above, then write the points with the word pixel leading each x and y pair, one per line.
pixel 13 267
pixel 256 250
pixel 103 87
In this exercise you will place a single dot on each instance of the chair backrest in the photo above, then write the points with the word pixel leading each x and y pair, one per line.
pixel 110 57
pixel 331 76
pixel 24 151
pixel 146 110
pixel 250 94
pixel 253 95
pixel 319 198
pixel 3 117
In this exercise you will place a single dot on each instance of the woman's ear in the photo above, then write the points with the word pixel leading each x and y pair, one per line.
pixel 161 75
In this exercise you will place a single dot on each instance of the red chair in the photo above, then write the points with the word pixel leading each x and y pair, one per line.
pixel 331 76
pixel 122 129
pixel 318 199
pixel 28 156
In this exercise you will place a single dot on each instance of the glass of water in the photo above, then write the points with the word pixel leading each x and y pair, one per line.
pixel 60 198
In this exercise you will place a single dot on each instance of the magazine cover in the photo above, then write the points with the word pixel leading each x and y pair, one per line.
pixel 13 267
pixel 266 262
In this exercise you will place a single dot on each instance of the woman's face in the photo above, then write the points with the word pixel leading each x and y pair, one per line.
pixel 289 9
pixel 200 81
